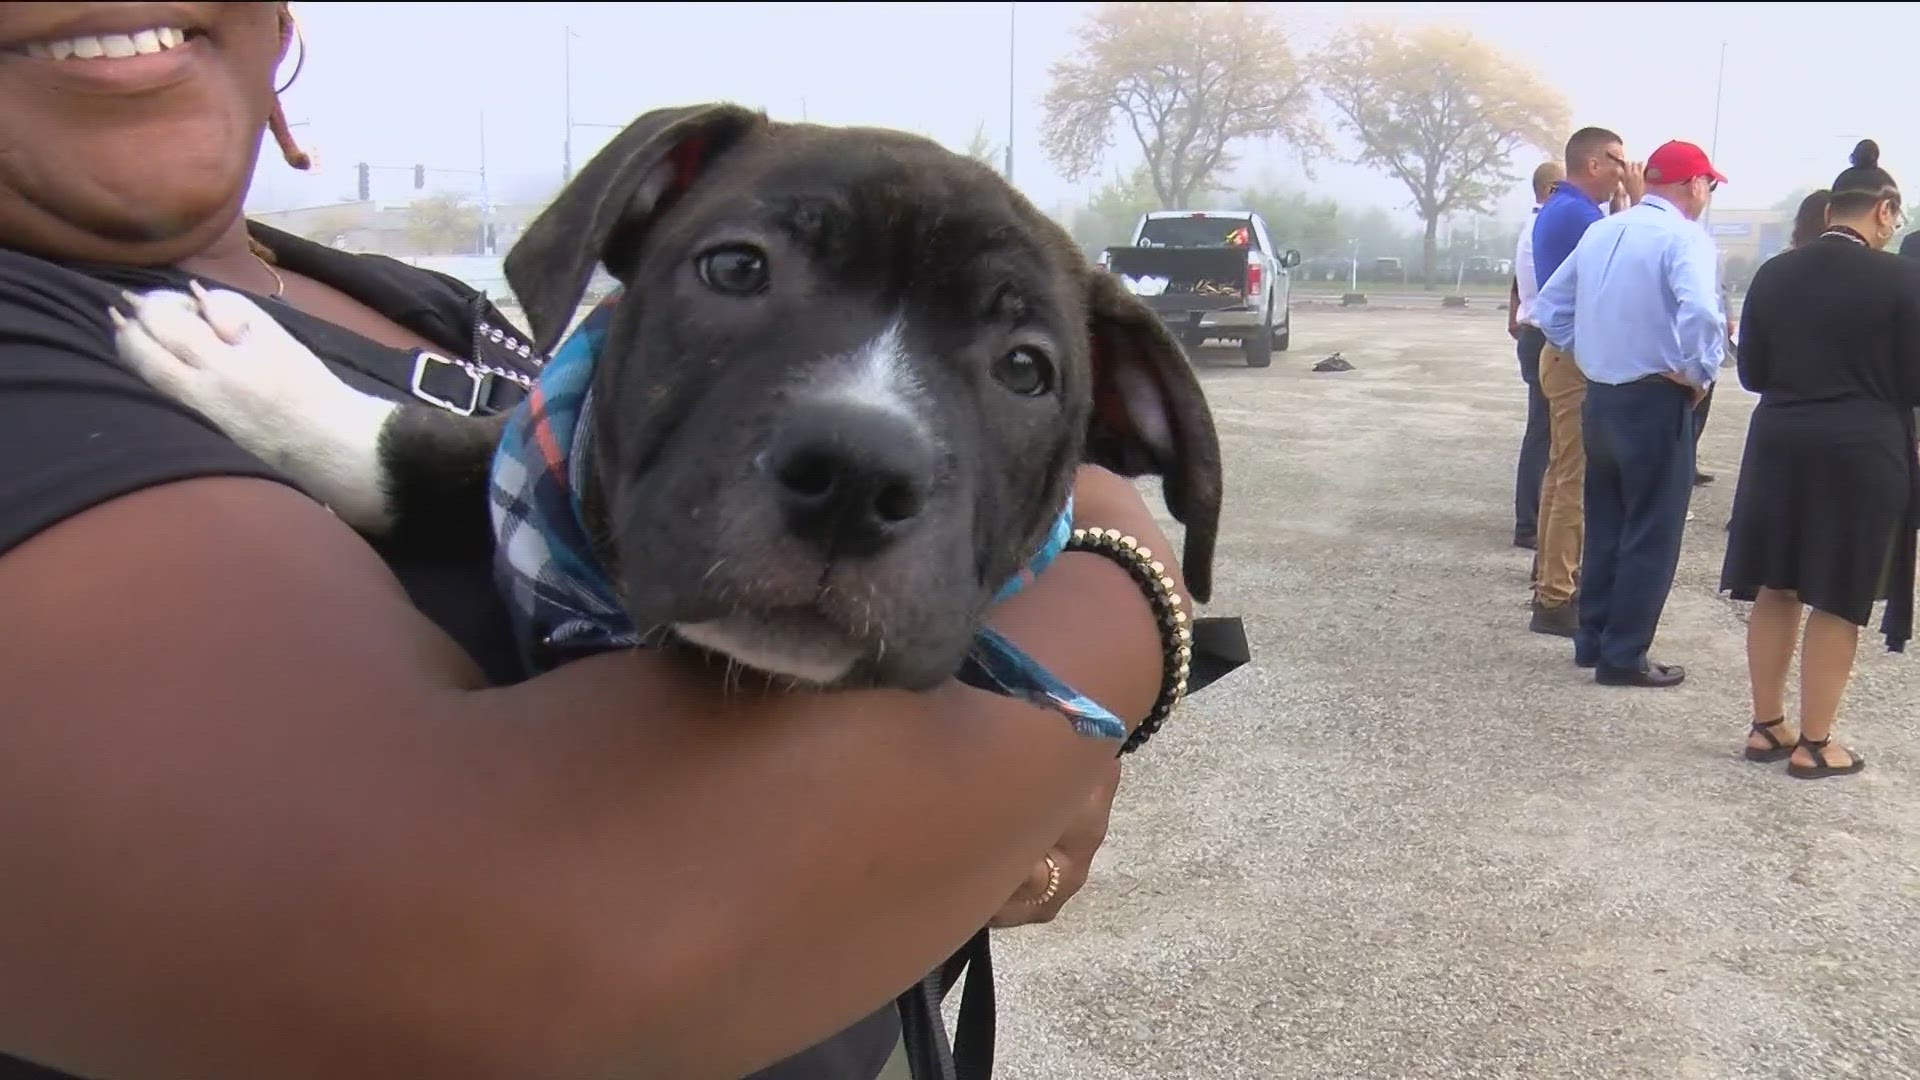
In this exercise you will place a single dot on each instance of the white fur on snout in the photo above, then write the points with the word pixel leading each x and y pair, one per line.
pixel 231 362
pixel 879 375
pixel 808 660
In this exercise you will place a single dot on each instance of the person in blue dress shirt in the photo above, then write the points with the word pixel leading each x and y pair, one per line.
pixel 1637 305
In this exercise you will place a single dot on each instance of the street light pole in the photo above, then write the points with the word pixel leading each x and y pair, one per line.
pixel 1719 85
pixel 1713 147
pixel 1011 11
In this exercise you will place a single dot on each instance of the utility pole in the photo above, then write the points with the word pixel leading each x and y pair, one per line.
pixel 486 196
pixel 1011 10
pixel 566 67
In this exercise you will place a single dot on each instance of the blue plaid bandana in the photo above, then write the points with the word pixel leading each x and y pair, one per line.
pixel 562 602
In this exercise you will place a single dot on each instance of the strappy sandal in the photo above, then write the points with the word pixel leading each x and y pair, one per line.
pixel 1820 770
pixel 1775 750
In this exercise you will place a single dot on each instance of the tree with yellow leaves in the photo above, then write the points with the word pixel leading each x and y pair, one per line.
pixel 1441 112
pixel 1188 81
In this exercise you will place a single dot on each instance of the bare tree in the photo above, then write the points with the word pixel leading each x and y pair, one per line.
pixel 981 147
pixel 1440 112
pixel 1188 81
pixel 1110 215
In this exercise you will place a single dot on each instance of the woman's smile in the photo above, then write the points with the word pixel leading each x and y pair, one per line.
pixel 111 48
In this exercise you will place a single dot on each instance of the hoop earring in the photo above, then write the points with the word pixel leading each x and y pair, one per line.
pixel 300 40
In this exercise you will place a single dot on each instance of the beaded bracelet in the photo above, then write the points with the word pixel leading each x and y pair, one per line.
pixel 1169 612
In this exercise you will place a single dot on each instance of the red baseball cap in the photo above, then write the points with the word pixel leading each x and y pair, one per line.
pixel 1678 162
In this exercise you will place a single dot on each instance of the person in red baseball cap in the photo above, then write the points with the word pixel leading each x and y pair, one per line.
pixel 1675 166
pixel 1681 163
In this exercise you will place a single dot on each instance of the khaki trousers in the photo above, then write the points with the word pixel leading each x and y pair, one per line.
pixel 1562 529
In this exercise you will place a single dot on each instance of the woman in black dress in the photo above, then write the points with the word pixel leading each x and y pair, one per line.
pixel 1829 492
pixel 1810 220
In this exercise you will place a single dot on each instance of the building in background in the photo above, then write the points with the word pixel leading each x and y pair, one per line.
pixel 432 225
pixel 440 233
pixel 1747 238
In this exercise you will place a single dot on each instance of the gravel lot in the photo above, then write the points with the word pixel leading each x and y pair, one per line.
pixel 1413 840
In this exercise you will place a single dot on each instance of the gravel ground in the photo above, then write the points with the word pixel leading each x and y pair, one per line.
pixel 1413 840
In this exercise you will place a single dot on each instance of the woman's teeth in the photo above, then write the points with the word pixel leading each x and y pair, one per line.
pixel 108 46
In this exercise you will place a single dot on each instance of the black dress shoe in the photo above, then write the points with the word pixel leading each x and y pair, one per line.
pixel 1700 479
pixel 1655 676
pixel 1560 621
pixel 1526 540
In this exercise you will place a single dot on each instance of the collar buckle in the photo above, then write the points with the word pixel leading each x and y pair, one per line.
pixel 427 364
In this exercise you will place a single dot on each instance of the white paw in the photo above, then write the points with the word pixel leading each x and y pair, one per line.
pixel 219 354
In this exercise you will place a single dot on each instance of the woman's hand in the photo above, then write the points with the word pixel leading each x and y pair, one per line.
pixel 1072 855
pixel 1102 499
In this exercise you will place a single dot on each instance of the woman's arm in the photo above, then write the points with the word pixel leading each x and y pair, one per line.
pixel 257 817
pixel 1906 334
pixel 1750 355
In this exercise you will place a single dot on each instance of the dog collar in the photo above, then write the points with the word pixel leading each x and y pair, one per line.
pixel 563 603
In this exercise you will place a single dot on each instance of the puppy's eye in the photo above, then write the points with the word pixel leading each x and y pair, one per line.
pixel 1025 371
pixel 736 269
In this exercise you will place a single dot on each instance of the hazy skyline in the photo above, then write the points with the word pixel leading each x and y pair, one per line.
pixel 399 83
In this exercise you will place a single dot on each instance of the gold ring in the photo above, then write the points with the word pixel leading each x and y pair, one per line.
pixel 1053 884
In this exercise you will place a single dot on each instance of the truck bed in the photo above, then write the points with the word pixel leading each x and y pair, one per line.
pixel 1197 278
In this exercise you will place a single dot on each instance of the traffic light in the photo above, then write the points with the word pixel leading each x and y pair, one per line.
pixel 366 182
pixel 419 177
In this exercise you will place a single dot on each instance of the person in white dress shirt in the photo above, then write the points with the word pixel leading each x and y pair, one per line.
pixel 1528 341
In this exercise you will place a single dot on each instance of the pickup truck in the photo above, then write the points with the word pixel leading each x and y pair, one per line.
pixel 1211 274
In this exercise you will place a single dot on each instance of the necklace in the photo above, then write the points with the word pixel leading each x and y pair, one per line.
pixel 279 283
pixel 1845 233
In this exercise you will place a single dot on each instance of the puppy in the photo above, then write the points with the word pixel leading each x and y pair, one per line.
pixel 839 403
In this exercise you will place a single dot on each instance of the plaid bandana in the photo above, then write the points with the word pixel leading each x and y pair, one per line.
pixel 562 602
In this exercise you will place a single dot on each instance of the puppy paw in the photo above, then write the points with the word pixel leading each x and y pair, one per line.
pixel 219 354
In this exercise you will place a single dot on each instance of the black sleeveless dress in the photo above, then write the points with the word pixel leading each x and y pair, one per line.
pixel 1829 494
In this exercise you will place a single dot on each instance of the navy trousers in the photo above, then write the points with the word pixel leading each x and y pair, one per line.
pixel 1534 444
pixel 1639 440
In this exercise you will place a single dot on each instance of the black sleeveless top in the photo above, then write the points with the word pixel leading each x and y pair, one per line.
pixel 77 430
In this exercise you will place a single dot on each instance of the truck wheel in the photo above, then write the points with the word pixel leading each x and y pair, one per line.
pixel 1258 347
pixel 1283 337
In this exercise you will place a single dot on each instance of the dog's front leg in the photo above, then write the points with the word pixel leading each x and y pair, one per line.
pixel 384 468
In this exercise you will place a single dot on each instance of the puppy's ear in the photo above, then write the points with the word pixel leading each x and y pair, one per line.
pixel 595 220
pixel 1150 416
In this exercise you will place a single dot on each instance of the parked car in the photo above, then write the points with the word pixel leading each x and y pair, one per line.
pixel 1211 274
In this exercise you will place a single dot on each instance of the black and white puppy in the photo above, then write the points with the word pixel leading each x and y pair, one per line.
pixel 839 405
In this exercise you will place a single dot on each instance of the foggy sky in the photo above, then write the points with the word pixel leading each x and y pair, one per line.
pixel 399 83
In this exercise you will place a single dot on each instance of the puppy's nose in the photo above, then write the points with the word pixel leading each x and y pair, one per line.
pixel 850 479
